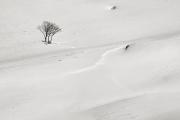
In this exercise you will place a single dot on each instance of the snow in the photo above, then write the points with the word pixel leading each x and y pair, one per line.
pixel 87 74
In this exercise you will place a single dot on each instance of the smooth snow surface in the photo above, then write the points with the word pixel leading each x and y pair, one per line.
pixel 87 73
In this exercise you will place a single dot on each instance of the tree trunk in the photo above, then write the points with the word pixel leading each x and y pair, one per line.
pixel 49 42
pixel 45 38
pixel 51 38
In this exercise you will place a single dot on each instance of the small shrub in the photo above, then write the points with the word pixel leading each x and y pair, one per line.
pixel 126 47
pixel 113 7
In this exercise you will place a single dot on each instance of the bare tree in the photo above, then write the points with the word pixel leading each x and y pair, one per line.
pixel 48 30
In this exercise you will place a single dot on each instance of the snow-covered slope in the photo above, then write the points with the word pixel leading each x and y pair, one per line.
pixel 80 93
pixel 87 74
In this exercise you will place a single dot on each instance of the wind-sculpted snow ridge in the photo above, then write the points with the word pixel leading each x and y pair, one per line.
pixel 100 61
